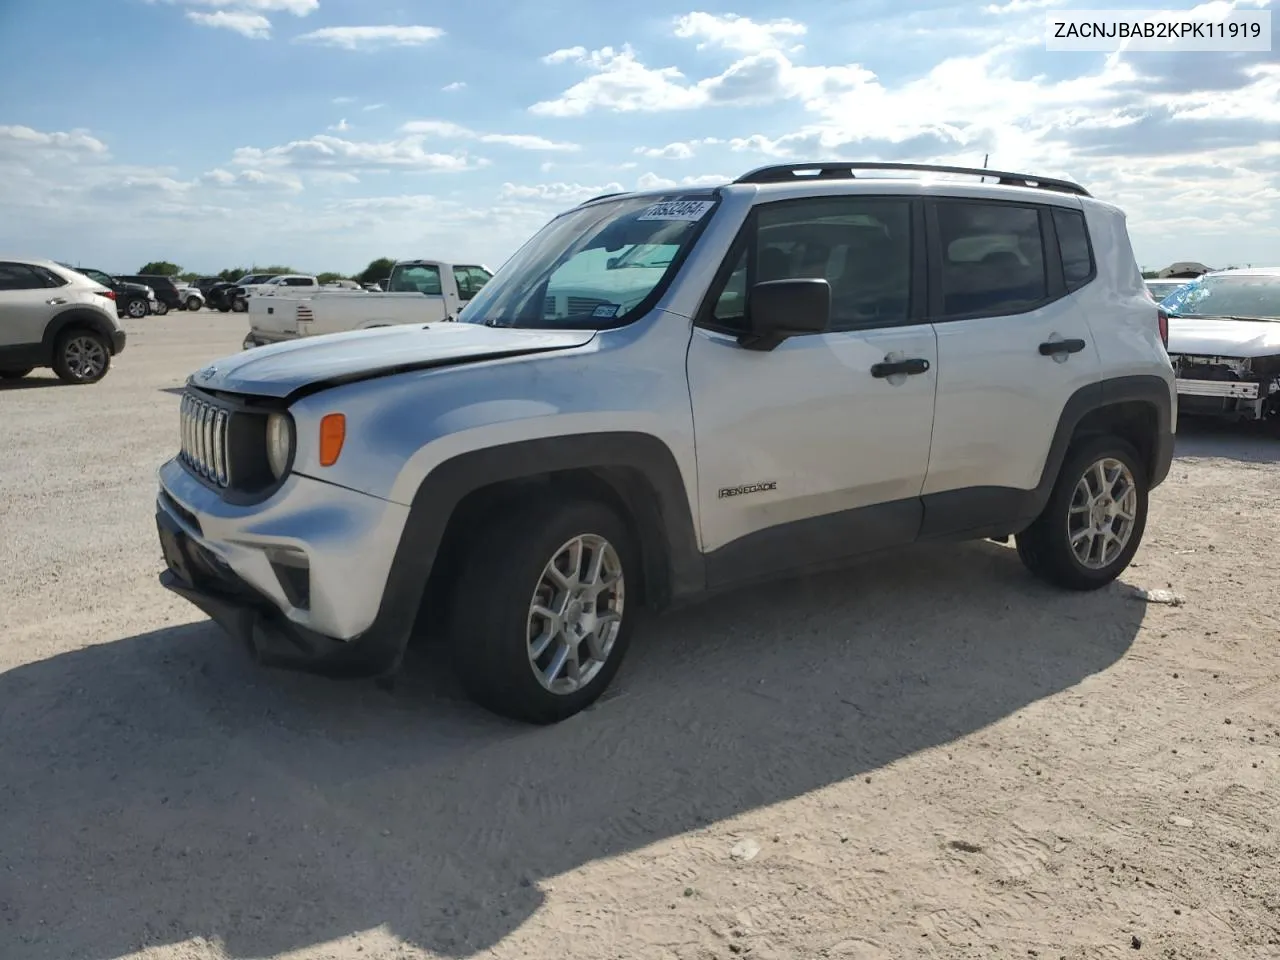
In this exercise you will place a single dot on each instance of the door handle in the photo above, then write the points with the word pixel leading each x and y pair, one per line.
pixel 915 365
pixel 56 301
pixel 1051 347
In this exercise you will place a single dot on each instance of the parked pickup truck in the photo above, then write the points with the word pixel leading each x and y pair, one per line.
pixel 418 291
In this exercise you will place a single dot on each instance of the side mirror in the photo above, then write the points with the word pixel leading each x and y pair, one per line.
pixel 778 309
pixel 611 263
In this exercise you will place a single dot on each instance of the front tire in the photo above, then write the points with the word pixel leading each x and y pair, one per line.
pixel 541 615
pixel 81 356
pixel 137 309
pixel 1093 523
pixel 239 306
pixel 193 304
pixel 161 308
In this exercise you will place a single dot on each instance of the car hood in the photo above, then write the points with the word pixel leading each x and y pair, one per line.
pixel 282 369
pixel 1220 337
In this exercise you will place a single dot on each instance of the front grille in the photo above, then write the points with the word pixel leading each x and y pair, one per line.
pixel 577 306
pixel 204 439
pixel 1194 367
pixel 549 307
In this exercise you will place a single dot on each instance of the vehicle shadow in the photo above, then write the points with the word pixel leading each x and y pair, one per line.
pixel 1246 442
pixel 163 787
pixel 31 381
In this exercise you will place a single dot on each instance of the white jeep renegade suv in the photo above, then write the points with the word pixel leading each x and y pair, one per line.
pixel 666 393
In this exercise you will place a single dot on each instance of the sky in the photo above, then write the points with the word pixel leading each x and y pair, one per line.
pixel 321 134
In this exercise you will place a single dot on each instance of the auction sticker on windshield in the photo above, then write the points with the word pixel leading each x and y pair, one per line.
pixel 678 210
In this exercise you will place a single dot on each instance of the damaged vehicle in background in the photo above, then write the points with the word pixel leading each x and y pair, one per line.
pixel 1224 342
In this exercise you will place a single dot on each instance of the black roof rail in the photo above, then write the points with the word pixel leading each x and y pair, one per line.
pixel 796 172
pixel 615 193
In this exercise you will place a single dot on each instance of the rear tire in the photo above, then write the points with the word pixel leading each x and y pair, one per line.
pixel 193 304
pixel 1093 523
pixel 81 356
pixel 161 308
pixel 513 618
pixel 17 374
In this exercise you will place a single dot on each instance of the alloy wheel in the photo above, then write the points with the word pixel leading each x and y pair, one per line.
pixel 576 614
pixel 1103 513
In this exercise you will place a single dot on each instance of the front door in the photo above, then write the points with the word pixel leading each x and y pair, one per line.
pixel 816 450
pixel 26 304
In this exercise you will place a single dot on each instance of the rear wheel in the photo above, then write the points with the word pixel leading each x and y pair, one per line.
pixel 193 304
pixel 540 619
pixel 81 356
pixel 161 308
pixel 1094 520
pixel 15 373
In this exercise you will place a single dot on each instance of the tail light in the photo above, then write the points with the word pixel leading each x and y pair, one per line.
pixel 109 294
pixel 1162 316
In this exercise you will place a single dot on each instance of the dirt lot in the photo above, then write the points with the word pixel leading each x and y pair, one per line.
pixel 926 756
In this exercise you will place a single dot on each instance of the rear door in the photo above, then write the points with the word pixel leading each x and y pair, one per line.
pixel 816 450
pixel 26 304
pixel 1013 346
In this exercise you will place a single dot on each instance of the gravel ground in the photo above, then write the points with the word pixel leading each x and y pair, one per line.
pixel 930 755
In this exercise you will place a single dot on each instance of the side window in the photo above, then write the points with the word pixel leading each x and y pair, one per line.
pixel 18 276
pixel 299 282
pixel 50 278
pixel 470 280
pixel 1073 243
pixel 992 258
pixel 417 278
pixel 859 245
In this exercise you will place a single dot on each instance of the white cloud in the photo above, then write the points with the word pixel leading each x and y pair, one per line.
pixel 561 193
pixel 565 55
pixel 621 83
pixel 299 8
pixel 677 151
pixel 445 130
pixel 370 38
pixel 251 25
pixel 15 138
pixel 651 181
pixel 327 152
pixel 733 32
pixel 454 87
pixel 1018 6
pixel 341 126
pixel 370 107
pixel 341 100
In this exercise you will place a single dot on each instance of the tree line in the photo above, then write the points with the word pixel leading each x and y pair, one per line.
pixel 378 269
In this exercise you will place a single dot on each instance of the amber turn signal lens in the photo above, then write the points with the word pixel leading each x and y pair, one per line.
pixel 333 431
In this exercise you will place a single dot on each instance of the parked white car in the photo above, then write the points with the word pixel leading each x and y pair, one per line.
pixel 54 316
pixel 260 285
pixel 192 297
pixel 420 291
pixel 1224 341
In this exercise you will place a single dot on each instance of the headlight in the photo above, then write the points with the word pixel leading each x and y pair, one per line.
pixel 279 443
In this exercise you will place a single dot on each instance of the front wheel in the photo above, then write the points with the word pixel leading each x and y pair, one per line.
pixel 161 308
pixel 81 356
pixel 193 304
pixel 541 617
pixel 239 306
pixel 137 309
pixel 1094 520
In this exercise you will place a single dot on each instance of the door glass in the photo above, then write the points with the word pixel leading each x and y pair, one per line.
pixel 992 258
pixel 18 276
pixel 1073 243
pixel 416 278
pixel 860 245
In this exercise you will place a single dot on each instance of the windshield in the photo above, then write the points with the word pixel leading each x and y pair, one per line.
pixel 1227 296
pixel 593 267
pixel 97 275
